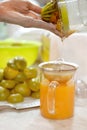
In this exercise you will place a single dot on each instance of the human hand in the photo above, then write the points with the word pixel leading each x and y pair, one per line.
pixel 25 14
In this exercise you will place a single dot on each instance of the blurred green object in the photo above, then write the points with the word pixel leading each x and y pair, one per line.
pixel 10 48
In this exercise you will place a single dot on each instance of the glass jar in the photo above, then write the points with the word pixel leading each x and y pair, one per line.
pixel 57 89
pixel 73 14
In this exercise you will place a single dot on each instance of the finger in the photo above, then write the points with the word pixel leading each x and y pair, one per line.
pixel 48 26
pixel 34 8
pixel 33 15
pixel 44 25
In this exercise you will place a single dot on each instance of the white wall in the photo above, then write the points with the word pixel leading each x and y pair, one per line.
pixel 73 49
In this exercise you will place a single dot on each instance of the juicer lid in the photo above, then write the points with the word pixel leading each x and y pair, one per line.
pixel 58 65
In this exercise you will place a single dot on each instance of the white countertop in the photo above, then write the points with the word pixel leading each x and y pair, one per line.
pixel 31 119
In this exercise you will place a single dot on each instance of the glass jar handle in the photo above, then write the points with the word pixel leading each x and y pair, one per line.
pixel 51 97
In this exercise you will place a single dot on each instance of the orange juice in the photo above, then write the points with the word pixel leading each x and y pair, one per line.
pixel 64 100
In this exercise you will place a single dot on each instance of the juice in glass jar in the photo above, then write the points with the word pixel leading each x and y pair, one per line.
pixel 64 100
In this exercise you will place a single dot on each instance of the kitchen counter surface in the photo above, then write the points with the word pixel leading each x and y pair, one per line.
pixel 31 119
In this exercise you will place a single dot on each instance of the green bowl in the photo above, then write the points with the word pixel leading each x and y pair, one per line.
pixel 28 50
